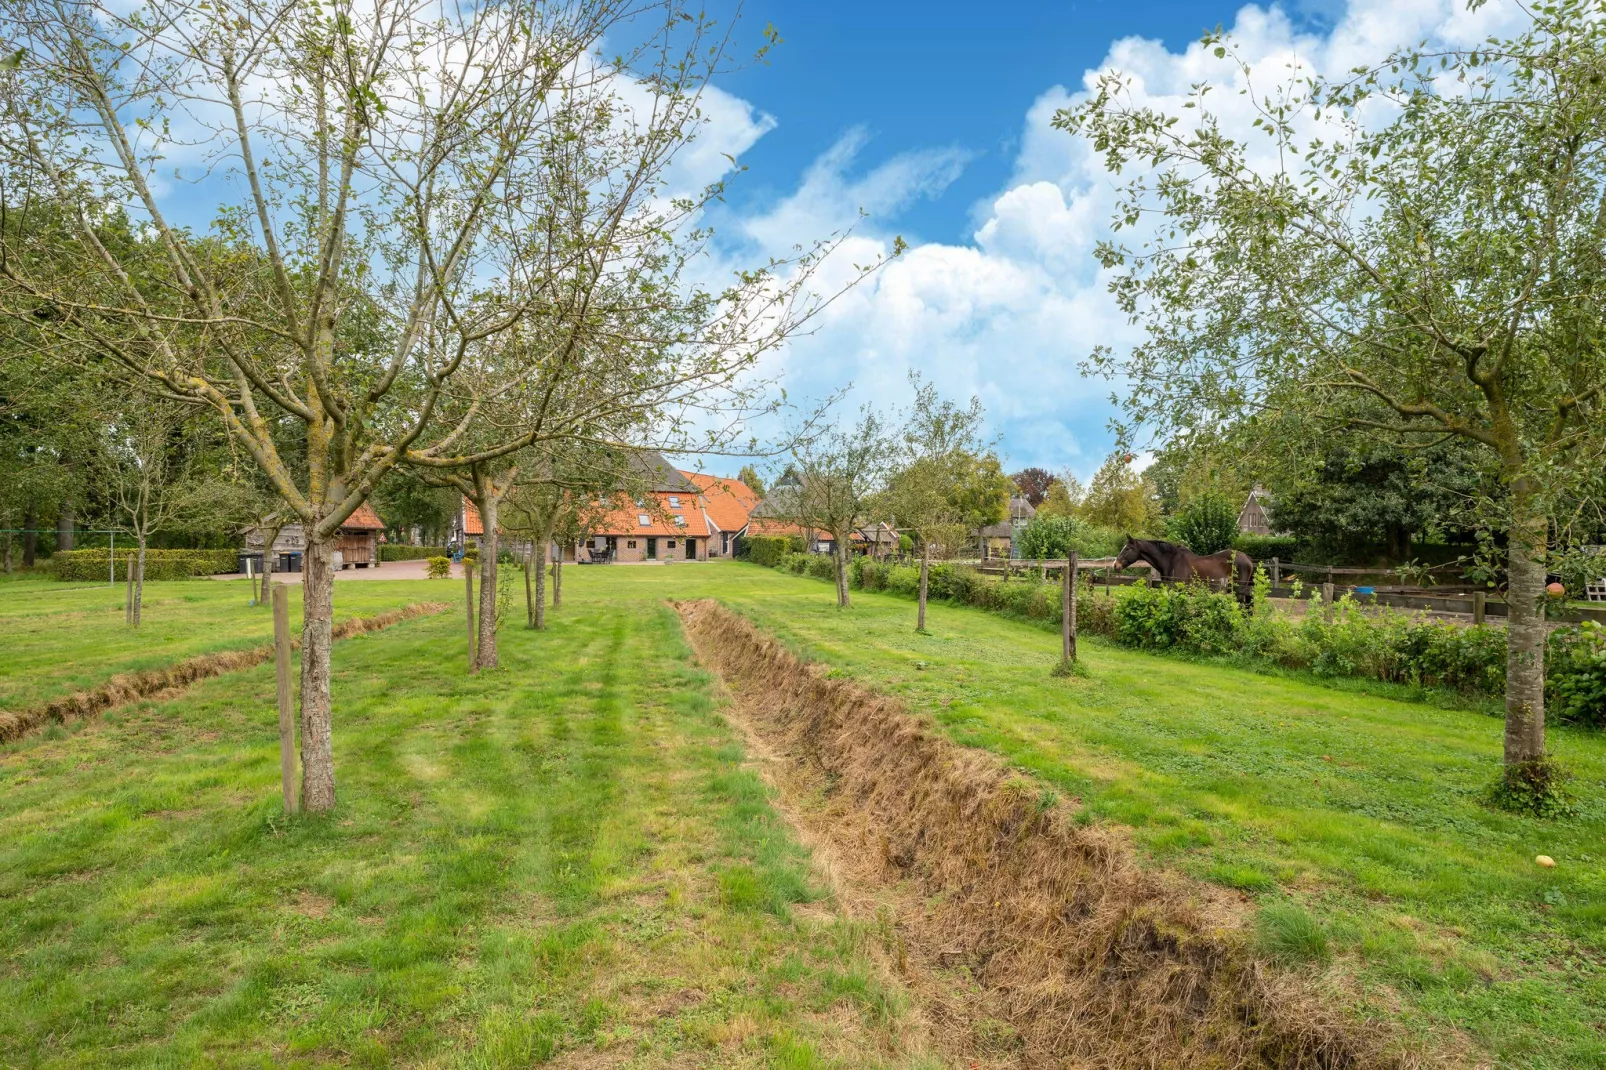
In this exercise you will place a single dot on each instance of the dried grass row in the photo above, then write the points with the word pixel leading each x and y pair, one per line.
pixel 129 687
pixel 1094 960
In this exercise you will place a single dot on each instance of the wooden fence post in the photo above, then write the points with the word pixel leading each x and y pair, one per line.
pixel 468 588
pixel 287 719
pixel 128 601
pixel 1479 600
pixel 1276 572
pixel 1067 617
pixel 1327 596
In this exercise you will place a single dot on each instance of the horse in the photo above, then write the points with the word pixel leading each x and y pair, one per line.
pixel 1177 564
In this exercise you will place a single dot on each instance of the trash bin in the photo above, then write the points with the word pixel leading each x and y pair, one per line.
pixel 289 562
pixel 256 563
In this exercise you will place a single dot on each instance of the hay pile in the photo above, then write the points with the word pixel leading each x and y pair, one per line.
pixel 1093 960
pixel 129 687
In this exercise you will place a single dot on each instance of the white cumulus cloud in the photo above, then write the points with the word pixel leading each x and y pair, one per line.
pixel 1009 314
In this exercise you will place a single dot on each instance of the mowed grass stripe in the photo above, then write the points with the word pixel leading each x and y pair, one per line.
pixel 523 863
pixel 1389 877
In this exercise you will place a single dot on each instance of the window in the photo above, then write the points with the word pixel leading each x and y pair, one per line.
pixel 674 501
pixel 644 520
pixel 630 543
pixel 671 544
pixel 680 520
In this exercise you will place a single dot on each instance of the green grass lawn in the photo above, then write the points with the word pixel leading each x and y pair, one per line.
pixel 566 856
pixel 59 637
pixel 1353 817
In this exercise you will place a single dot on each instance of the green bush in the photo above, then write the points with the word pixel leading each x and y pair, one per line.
pixel 1190 618
pixel 768 550
pixel 1266 547
pixel 1207 524
pixel 440 567
pixel 399 552
pixel 1052 537
pixel 88 566
pixel 1575 674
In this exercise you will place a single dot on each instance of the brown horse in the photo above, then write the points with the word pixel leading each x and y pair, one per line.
pixel 1177 564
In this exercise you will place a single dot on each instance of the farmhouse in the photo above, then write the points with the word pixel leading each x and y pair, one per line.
pixel 727 505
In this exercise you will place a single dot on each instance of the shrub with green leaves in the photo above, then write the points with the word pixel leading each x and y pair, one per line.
pixel 401 552
pixel 767 550
pixel 1052 537
pixel 1207 524
pixel 439 567
pixel 1575 674
pixel 89 566
pixel 1266 547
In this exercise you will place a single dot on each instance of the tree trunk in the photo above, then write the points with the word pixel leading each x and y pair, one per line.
pixel 485 656
pixel 64 526
pixel 529 595
pixel 540 580
pixel 317 624
pixel 139 581
pixel 30 537
pixel 1525 629
pixel 5 553
pixel 840 556
pixel 557 581
pixel 925 565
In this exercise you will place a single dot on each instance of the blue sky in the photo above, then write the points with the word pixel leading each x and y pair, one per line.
pixel 929 75
pixel 934 119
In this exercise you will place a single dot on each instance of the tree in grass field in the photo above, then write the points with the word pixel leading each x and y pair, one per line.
pixel 1416 251
pixel 838 473
pixel 947 483
pixel 403 190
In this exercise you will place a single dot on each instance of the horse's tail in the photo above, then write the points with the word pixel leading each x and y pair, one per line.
pixel 1245 570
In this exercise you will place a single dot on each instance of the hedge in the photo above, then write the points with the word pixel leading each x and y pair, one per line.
pixel 769 549
pixel 90 565
pixel 1266 547
pixel 1343 639
pixel 400 552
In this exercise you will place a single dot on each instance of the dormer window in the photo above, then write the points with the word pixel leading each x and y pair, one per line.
pixel 644 520
pixel 674 501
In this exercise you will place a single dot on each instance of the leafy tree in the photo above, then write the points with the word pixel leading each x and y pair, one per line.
pixel 1357 494
pixel 398 230
pixel 838 473
pixel 749 475
pixel 1034 483
pixel 1417 249
pixel 1207 524
pixel 948 483
pixel 1118 497
pixel 153 472
pixel 1048 537
pixel 1063 498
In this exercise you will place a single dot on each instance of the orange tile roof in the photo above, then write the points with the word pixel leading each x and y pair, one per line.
pixel 626 518
pixel 364 519
pixel 472 524
pixel 766 525
pixel 728 501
